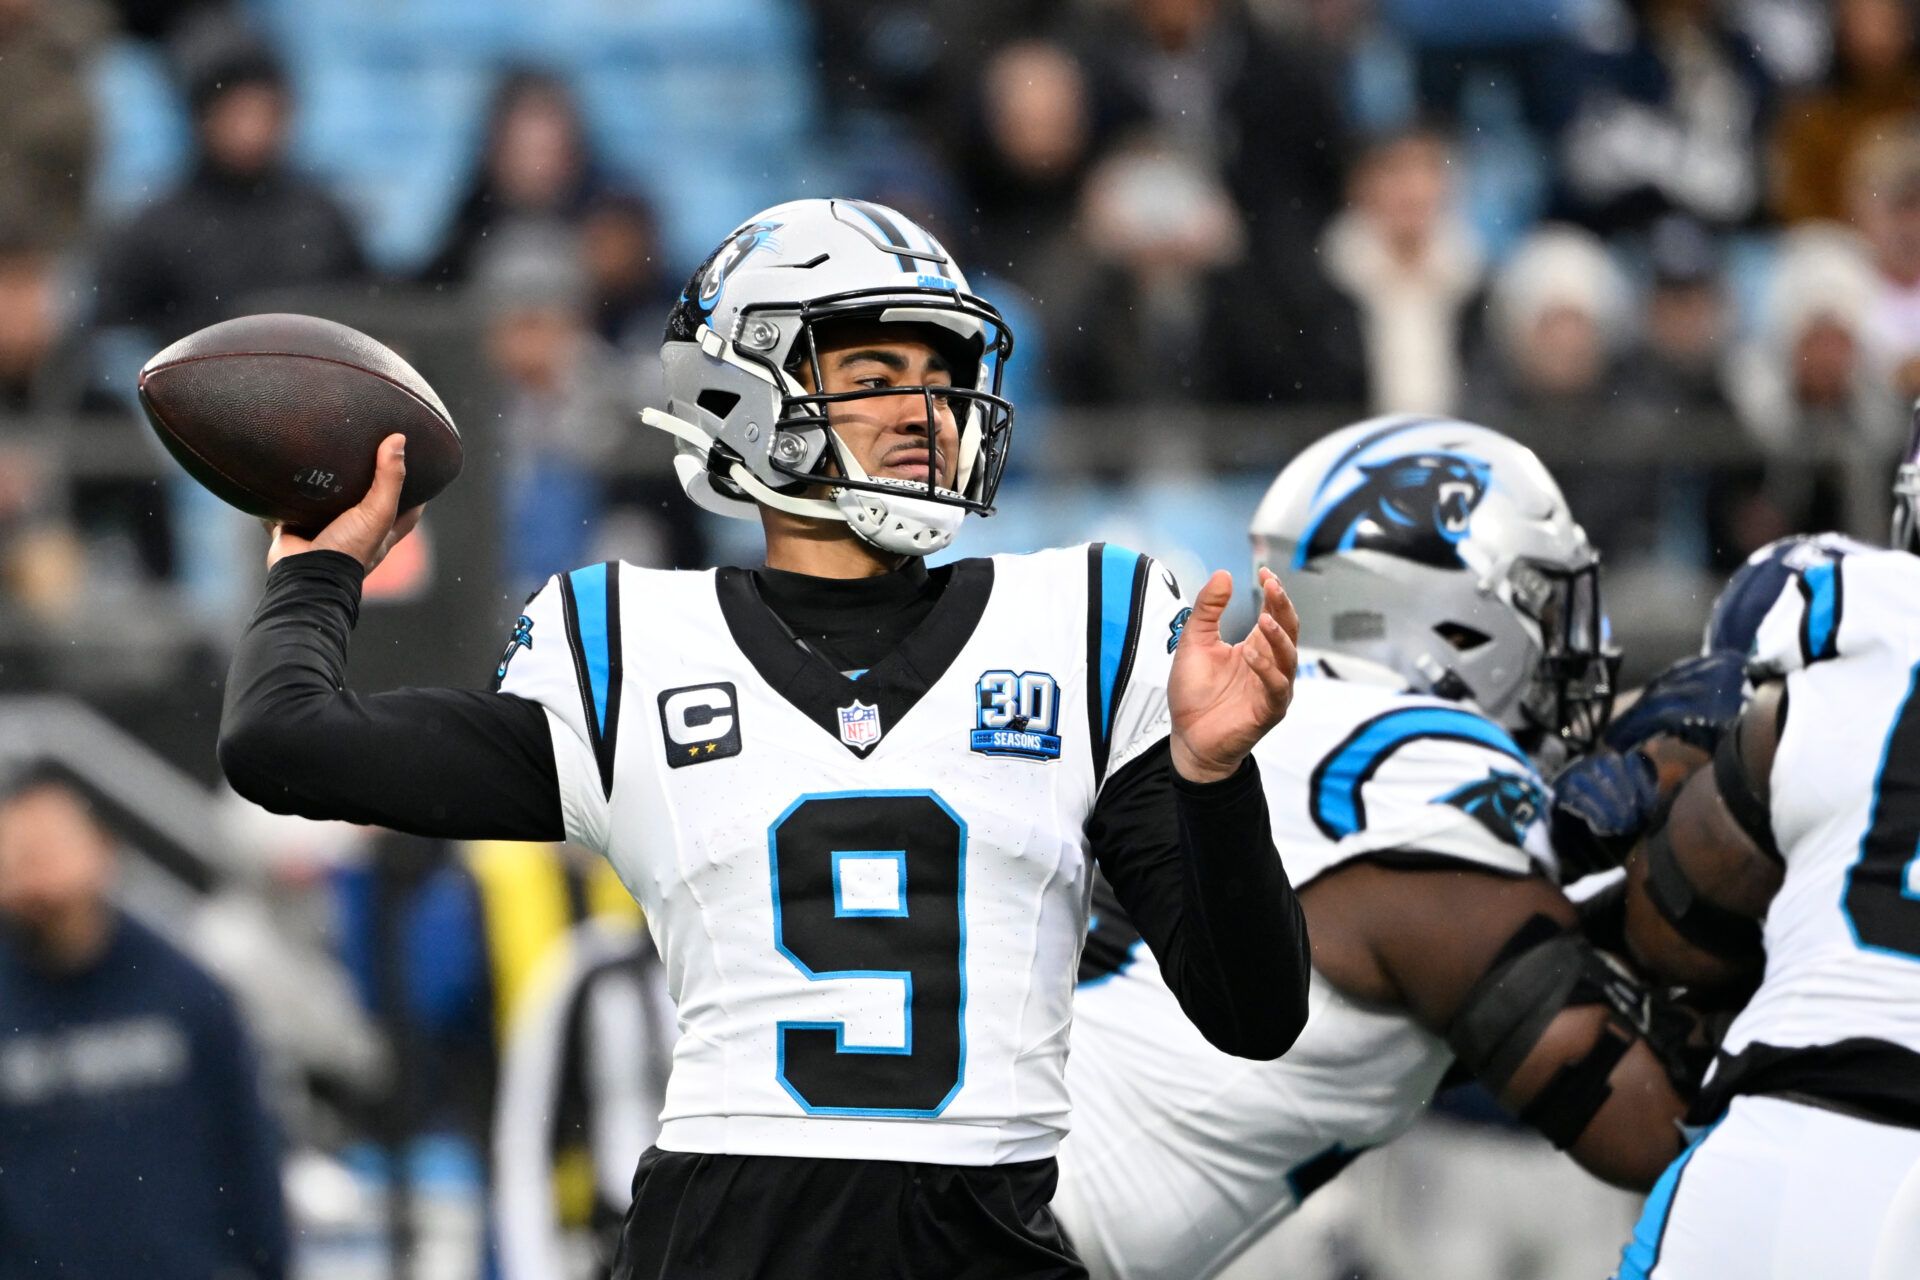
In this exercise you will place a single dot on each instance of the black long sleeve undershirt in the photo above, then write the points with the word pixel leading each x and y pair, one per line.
pixel 1202 882
pixel 1193 865
pixel 455 763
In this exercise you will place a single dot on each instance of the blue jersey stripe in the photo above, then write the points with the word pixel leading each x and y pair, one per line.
pixel 1337 781
pixel 1642 1253
pixel 1116 614
pixel 596 647
pixel 1823 611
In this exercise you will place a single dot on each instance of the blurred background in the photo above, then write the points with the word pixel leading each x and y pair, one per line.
pixel 1674 245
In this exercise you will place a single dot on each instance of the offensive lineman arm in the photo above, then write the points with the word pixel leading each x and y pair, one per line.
pixel 1423 940
pixel 1696 884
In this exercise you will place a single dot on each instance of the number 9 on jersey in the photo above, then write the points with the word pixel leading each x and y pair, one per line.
pixel 872 885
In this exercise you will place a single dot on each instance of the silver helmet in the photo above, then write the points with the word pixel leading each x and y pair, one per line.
pixel 751 432
pixel 1446 553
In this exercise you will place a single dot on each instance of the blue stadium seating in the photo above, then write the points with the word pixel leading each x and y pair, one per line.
pixel 143 128
pixel 706 107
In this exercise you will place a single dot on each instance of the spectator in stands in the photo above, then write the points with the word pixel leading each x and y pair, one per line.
pixel 162 20
pixel 1456 43
pixel 1558 320
pixel 1671 116
pixel 1884 194
pixel 915 60
pixel 536 168
pixel 42 365
pixel 1873 88
pixel 1811 395
pixel 1257 109
pixel 1677 362
pixel 130 1114
pixel 1415 269
pixel 46 118
pixel 242 223
pixel 1166 303
pixel 1129 311
pixel 44 382
pixel 567 407
pixel 1032 133
pixel 1674 401
pixel 630 292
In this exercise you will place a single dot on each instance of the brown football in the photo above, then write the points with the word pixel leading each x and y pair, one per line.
pixel 281 415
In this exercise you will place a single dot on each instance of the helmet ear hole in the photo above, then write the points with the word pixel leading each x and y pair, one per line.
pixel 1464 638
pixel 717 402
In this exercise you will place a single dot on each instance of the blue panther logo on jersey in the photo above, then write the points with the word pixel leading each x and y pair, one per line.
pixel 1176 627
pixel 522 638
pixel 1417 507
pixel 1506 804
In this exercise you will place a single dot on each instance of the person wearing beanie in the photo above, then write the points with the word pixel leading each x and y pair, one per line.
pixel 243 222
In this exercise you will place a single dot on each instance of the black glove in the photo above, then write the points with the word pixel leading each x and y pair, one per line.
pixel 1693 700
pixel 1601 805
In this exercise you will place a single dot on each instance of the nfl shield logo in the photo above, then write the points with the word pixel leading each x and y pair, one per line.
pixel 859 725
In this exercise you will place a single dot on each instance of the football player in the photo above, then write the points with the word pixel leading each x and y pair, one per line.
pixel 1793 857
pixel 860 800
pixel 1451 632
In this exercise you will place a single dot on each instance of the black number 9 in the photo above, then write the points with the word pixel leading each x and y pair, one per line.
pixel 873 885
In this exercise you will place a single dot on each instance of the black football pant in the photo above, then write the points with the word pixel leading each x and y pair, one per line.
pixel 720 1217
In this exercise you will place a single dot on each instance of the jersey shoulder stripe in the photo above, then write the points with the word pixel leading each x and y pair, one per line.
pixel 590 598
pixel 1336 804
pixel 1823 595
pixel 1116 598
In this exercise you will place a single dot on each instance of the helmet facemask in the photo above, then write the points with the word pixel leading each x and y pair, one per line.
pixel 1569 697
pixel 983 419
pixel 1906 509
pixel 1906 494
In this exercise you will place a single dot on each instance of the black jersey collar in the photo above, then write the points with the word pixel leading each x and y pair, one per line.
pixel 894 685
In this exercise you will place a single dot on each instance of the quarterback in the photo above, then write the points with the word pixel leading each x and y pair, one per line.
pixel 860 800
pixel 1452 630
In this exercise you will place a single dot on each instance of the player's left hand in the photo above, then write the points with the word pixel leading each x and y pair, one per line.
pixel 1224 697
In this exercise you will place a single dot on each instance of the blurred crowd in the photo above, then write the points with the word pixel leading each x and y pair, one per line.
pixel 1680 235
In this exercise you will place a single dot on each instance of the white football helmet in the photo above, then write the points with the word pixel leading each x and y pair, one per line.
pixel 1446 553
pixel 752 434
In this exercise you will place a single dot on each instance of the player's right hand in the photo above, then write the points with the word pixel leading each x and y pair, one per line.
pixel 1601 805
pixel 370 528
pixel 1692 700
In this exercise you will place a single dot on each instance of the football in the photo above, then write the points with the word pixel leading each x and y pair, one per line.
pixel 280 415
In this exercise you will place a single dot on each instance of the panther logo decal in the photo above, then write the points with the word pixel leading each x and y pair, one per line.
pixel 522 638
pixel 1417 507
pixel 728 259
pixel 1506 804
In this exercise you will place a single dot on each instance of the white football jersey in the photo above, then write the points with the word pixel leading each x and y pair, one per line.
pixel 869 894
pixel 1843 934
pixel 1182 1156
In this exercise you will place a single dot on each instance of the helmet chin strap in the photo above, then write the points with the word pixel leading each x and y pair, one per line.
pixel 900 524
